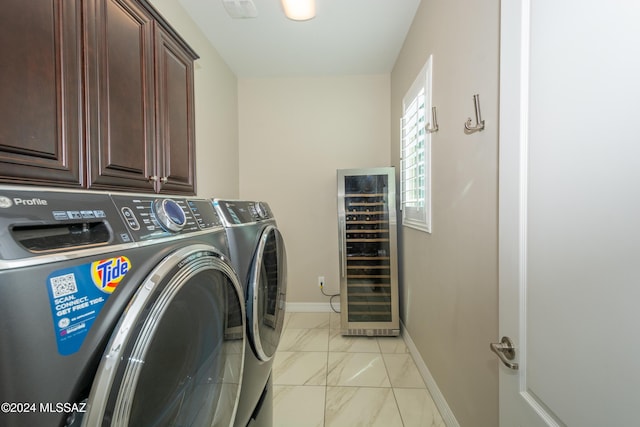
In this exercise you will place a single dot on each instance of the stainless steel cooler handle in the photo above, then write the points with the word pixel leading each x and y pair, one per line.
pixel 343 254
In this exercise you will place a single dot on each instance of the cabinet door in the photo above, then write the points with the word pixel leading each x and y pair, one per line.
pixel 40 92
pixel 175 108
pixel 120 95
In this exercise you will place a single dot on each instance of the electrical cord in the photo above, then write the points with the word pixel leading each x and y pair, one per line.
pixel 331 297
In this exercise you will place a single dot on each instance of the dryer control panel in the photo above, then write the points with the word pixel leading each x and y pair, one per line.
pixel 150 217
pixel 235 212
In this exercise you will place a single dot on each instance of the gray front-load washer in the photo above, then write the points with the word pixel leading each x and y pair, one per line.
pixel 116 310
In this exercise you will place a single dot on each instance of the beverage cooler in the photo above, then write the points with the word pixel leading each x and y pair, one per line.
pixel 368 260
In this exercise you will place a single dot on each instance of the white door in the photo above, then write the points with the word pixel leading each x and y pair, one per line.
pixel 570 212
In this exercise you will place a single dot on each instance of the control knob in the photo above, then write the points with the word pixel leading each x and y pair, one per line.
pixel 169 214
pixel 261 210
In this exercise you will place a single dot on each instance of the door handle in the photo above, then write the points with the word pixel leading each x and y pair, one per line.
pixel 505 351
pixel 343 250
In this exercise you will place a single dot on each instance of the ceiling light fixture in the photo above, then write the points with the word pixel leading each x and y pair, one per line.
pixel 299 10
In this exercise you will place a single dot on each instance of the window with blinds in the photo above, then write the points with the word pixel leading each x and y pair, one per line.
pixel 415 155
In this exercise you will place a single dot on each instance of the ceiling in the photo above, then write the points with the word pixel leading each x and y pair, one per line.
pixel 346 37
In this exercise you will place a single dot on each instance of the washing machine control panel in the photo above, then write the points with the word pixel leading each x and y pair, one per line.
pixel 243 212
pixel 169 214
pixel 155 217
pixel 36 221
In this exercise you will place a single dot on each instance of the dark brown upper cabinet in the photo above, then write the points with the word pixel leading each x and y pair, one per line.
pixel 41 139
pixel 175 113
pixel 101 97
pixel 120 92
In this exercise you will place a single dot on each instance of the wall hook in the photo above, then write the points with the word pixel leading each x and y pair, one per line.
pixel 479 122
pixel 434 119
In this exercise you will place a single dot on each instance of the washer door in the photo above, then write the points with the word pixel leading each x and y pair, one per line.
pixel 267 293
pixel 176 356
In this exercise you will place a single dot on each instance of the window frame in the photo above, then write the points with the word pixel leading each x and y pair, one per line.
pixel 417 217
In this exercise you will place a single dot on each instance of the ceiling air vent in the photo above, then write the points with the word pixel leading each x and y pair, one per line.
pixel 240 9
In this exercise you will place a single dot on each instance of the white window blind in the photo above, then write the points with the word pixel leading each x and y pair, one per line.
pixel 415 155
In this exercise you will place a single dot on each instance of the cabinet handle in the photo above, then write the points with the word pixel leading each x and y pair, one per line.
pixel 153 178
pixel 164 180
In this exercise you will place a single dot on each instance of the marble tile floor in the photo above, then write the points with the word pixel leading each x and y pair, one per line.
pixel 322 379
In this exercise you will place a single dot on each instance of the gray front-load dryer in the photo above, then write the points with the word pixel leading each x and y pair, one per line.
pixel 116 310
pixel 258 254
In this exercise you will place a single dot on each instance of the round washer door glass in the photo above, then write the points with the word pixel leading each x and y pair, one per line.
pixel 176 356
pixel 268 292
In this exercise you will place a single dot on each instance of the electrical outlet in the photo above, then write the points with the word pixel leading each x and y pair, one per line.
pixel 320 281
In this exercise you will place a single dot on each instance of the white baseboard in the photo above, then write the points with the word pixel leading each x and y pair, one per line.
pixel 309 307
pixel 438 398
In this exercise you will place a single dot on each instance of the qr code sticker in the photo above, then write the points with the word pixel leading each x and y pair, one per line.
pixel 64 285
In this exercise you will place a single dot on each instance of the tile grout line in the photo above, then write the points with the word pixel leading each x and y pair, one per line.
pixel 326 375
pixel 331 329
pixel 392 388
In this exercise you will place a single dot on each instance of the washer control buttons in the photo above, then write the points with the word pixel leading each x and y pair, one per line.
pixel 169 214
pixel 128 215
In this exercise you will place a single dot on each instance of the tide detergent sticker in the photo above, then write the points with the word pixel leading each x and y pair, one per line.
pixel 77 294
pixel 107 273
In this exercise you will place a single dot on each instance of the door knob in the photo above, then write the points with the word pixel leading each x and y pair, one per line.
pixel 505 351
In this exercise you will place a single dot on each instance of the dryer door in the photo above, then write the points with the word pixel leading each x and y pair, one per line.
pixel 267 293
pixel 176 356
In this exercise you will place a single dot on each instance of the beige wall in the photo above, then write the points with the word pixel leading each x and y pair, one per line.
pixel 294 134
pixel 216 103
pixel 450 292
